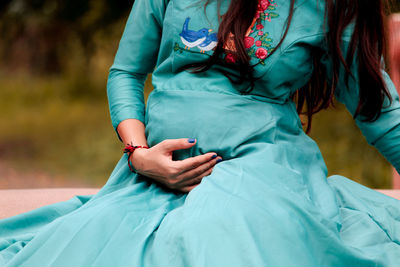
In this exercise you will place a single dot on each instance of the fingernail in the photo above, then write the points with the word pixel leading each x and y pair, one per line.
pixel 219 160
pixel 191 140
pixel 214 156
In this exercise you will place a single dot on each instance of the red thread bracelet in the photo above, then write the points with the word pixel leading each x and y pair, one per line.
pixel 129 149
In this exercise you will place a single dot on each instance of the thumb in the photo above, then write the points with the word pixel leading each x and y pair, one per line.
pixel 180 143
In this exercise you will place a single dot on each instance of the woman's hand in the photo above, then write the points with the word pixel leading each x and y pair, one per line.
pixel 182 175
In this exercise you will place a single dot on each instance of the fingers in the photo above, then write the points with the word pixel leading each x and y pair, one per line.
pixel 187 189
pixel 192 183
pixel 184 175
pixel 175 144
pixel 194 162
pixel 196 175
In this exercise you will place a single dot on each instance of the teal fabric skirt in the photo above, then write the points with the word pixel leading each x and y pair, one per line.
pixel 268 203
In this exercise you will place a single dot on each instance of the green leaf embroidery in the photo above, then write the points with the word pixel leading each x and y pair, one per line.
pixel 273 15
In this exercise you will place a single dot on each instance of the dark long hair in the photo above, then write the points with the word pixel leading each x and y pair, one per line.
pixel 369 39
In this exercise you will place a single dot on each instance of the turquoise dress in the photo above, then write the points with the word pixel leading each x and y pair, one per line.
pixel 268 203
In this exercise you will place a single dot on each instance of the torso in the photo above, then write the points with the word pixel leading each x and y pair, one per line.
pixel 189 35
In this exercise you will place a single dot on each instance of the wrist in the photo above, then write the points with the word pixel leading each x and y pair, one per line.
pixel 136 159
pixel 130 151
pixel 135 143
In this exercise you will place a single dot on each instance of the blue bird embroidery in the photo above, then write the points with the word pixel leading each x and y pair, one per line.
pixel 192 38
pixel 209 43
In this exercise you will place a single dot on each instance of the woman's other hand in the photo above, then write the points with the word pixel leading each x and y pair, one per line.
pixel 182 175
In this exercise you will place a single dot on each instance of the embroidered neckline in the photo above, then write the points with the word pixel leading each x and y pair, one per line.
pixel 257 41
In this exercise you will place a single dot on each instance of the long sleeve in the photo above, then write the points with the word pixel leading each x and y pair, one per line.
pixel 135 58
pixel 384 133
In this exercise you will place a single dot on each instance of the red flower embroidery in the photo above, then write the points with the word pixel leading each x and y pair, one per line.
pixel 263 5
pixel 261 53
pixel 248 41
pixel 260 43
pixel 230 58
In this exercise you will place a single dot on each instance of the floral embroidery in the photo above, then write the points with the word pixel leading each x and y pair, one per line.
pixel 257 40
pixel 266 10
pixel 230 58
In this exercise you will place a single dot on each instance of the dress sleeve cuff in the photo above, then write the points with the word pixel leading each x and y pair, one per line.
pixel 123 114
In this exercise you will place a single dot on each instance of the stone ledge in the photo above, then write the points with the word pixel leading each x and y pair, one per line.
pixel 395 193
pixel 16 201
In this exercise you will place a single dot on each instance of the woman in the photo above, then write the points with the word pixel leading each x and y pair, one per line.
pixel 226 87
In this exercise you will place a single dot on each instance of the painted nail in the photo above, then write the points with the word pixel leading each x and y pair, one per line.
pixel 191 140
pixel 219 160
pixel 214 156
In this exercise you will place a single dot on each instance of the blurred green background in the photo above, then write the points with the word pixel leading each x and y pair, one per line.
pixel 55 129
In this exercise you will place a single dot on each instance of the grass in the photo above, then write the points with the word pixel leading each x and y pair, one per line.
pixel 44 127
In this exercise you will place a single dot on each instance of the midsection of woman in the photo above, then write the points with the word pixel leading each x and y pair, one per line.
pixel 208 106
pixel 260 130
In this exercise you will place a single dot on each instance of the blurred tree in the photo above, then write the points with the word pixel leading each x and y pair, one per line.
pixel 35 33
